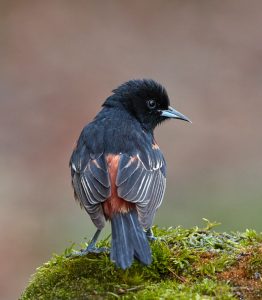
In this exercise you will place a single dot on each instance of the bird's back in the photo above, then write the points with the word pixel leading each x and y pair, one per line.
pixel 115 132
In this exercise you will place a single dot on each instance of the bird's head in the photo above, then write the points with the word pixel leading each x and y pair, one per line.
pixel 146 100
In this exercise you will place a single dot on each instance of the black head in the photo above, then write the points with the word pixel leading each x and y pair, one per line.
pixel 146 100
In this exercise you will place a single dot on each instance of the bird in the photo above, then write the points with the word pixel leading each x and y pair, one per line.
pixel 119 172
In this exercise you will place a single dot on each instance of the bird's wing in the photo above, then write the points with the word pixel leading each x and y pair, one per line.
pixel 91 182
pixel 141 180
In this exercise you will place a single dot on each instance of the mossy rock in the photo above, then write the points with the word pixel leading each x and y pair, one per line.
pixel 187 264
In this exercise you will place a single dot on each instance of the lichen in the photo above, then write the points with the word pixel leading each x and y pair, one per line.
pixel 187 264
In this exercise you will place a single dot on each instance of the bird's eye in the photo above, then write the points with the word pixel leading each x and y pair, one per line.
pixel 151 104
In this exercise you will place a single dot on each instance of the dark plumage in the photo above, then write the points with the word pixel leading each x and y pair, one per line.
pixel 118 171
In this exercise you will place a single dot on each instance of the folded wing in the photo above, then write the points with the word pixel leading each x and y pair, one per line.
pixel 141 180
pixel 91 183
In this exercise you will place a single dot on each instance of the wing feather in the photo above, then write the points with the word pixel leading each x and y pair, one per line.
pixel 98 169
pixel 142 183
pixel 128 168
pixel 91 182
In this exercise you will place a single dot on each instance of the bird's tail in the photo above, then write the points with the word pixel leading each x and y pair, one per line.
pixel 129 241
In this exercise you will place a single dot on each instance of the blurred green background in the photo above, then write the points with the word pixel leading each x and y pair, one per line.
pixel 59 61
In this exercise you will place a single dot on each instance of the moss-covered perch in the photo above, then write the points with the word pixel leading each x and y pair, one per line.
pixel 187 264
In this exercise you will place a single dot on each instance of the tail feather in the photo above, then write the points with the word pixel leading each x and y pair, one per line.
pixel 121 252
pixel 129 241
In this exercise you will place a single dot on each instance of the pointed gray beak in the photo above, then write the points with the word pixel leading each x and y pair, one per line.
pixel 172 113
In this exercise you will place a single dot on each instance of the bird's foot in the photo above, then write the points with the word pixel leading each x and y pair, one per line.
pixel 88 249
pixel 152 238
pixel 91 248
pixel 150 235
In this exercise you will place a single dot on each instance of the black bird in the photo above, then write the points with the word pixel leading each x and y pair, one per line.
pixel 119 172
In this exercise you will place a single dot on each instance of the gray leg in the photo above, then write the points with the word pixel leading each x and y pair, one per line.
pixel 91 248
pixel 150 235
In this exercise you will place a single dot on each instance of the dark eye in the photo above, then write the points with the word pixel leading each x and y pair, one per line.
pixel 151 104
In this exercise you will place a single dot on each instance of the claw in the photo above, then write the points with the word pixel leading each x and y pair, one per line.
pixel 152 238
pixel 150 235
pixel 84 252
pixel 91 248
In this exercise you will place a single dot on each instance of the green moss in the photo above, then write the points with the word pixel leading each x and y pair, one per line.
pixel 186 264
pixel 255 263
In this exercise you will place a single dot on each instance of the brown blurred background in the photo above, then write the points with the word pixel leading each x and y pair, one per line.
pixel 59 60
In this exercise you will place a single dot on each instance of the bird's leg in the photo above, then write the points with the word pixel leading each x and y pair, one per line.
pixel 150 235
pixel 91 248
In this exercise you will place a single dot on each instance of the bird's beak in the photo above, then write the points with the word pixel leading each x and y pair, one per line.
pixel 172 113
